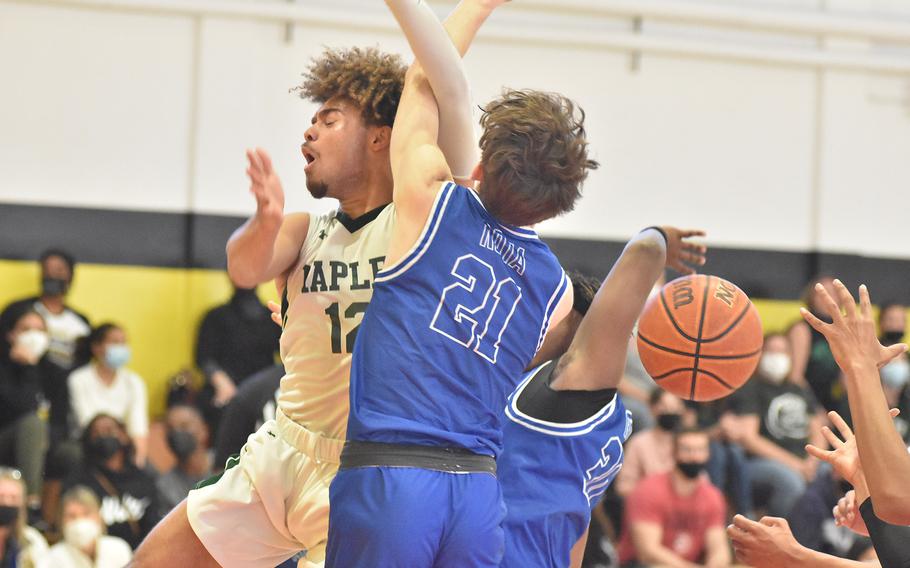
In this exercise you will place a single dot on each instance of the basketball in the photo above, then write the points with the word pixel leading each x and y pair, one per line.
pixel 700 338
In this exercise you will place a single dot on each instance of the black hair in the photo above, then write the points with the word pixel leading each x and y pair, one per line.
pixel 83 353
pixel 63 255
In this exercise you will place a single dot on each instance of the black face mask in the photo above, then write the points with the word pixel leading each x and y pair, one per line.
pixel 182 443
pixel 891 337
pixel 104 448
pixel 669 421
pixel 53 287
pixel 690 469
pixel 8 515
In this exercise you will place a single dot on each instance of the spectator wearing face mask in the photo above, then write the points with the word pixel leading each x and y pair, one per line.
pixel 128 496
pixel 892 323
pixel 895 378
pixel 188 439
pixel 84 543
pixel 776 418
pixel 64 324
pixel 651 451
pixel 235 341
pixel 21 546
pixel 106 386
pixel 677 518
pixel 25 371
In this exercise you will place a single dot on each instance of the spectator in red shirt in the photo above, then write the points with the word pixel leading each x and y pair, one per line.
pixel 676 519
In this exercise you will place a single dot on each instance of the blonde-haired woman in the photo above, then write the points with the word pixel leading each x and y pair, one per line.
pixel 84 543
pixel 20 545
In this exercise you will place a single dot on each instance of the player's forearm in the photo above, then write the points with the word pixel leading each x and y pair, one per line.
pixel 596 357
pixel 886 464
pixel 250 250
pixel 815 559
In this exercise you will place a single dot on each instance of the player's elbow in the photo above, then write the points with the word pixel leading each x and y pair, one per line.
pixel 241 273
pixel 651 247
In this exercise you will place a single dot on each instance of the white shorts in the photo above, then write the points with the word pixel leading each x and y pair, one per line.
pixel 272 501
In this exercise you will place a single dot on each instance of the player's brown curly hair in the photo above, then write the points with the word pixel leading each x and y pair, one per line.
pixel 373 80
pixel 534 155
pixel 585 288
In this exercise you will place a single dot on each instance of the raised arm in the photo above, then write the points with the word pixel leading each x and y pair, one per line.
pixel 597 355
pixel 859 354
pixel 269 242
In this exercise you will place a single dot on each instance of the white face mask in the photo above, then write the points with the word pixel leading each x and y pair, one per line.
pixel 774 366
pixel 81 533
pixel 35 341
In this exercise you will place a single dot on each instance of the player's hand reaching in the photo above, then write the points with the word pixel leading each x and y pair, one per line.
pixel 265 186
pixel 846 514
pixel 851 334
pixel 768 543
pixel 844 456
pixel 682 254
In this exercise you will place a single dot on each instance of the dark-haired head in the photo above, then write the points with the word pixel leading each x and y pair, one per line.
pixel 534 156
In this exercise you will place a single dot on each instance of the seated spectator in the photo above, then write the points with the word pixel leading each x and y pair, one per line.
pixel 20 544
pixel 253 406
pixel 188 439
pixel 106 386
pixel 895 377
pixel 84 543
pixel 24 370
pixel 64 324
pixel 677 518
pixel 235 341
pixel 813 364
pixel 129 499
pixel 651 451
pixel 892 323
pixel 777 419
pixel 813 525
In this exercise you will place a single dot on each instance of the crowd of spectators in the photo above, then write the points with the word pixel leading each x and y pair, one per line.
pixel 75 438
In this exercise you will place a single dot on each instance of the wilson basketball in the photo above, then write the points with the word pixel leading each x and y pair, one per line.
pixel 700 338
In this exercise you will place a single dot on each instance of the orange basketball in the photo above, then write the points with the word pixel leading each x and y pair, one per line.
pixel 700 338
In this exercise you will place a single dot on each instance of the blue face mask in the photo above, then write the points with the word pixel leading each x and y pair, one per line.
pixel 117 355
pixel 896 374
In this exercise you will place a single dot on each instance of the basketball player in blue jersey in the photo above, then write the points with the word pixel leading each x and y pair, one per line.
pixel 565 424
pixel 461 306
pixel 272 500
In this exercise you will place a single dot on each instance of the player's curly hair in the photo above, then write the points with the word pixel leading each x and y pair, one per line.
pixel 534 156
pixel 373 80
pixel 584 288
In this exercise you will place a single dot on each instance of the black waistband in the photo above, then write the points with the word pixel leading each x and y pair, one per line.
pixel 449 460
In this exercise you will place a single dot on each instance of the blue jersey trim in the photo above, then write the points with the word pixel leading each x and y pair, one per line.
pixel 551 308
pixel 517 231
pixel 555 428
pixel 425 239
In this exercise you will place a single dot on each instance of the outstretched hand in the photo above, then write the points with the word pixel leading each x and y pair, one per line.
pixel 768 543
pixel 851 334
pixel 682 254
pixel 844 456
pixel 265 186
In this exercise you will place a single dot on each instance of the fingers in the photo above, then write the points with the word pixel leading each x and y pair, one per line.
pixel 745 524
pixel 830 305
pixel 687 233
pixel 265 160
pixel 845 299
pixel 891 352
pixel 274 307
pixel 276 318
pixel 693 258
pixel 841 425
pixel 865 303
pixel 773 521
pixel 815 323
pixel 832 439
pixel 819 453
pixel 894 412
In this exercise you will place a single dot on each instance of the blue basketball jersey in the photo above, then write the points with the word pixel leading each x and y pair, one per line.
pixel 553 474
pixel 450 329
